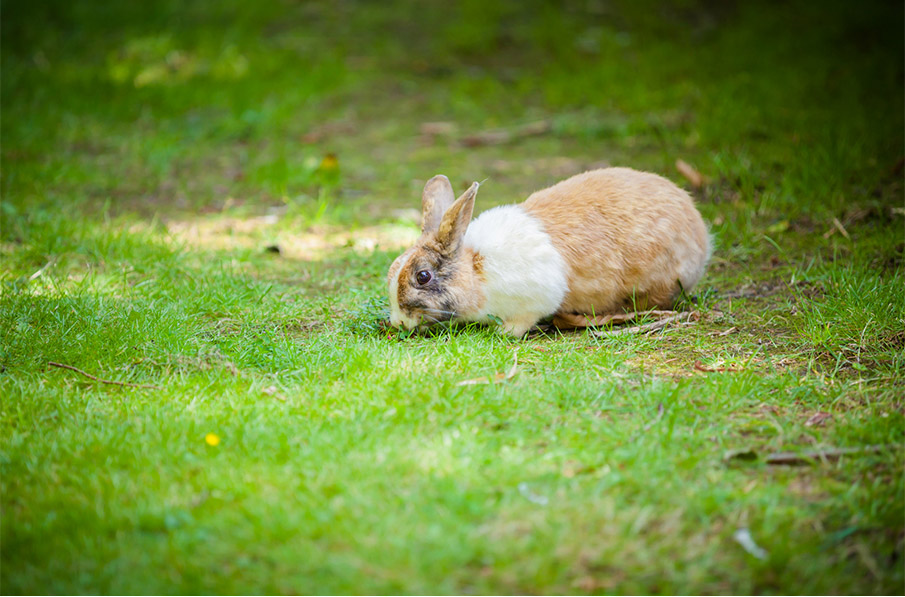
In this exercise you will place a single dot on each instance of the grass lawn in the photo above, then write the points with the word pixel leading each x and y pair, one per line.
pixel 201 199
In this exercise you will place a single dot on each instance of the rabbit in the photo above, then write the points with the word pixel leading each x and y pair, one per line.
pixel 605 241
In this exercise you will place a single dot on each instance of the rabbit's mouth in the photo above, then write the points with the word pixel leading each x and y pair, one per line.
pixel 431 316
pixel 423 321
pixel 398 319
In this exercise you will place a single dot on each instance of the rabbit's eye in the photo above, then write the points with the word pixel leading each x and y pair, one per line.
pixel 423 277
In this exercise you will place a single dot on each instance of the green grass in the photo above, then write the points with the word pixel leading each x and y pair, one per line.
pixel 171 217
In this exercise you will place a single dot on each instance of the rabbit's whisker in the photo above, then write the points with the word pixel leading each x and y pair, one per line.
pixel 432 310
pixel 440 312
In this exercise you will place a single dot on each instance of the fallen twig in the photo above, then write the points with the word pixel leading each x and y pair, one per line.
pixel 699 366
pixel 803 458
pixel 649 424
pixel 660 411
pixel 743 537
pixel 649 327
pixel 501 136
pixel 688 171
pixel 41 271
pixel 565 321
pixel 837 225
pixel 827 454
pixel 534 498
pixel 724 332
pixel 106 381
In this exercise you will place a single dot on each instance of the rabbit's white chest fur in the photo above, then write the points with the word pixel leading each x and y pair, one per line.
pixel 525 276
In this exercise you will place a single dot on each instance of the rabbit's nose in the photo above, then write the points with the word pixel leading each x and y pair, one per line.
pixel 398 319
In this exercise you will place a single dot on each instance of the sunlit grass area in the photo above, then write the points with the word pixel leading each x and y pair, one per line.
pixel 200 202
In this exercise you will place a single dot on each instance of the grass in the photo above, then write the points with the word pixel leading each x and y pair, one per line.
pixel 205 197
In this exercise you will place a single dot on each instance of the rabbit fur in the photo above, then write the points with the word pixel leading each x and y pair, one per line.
pixel 605 241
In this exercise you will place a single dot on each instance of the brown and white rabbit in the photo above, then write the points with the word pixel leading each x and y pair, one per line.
pixel 600 242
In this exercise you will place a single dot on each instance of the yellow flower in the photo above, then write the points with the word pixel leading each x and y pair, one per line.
pixel 330 162
pixel 212 439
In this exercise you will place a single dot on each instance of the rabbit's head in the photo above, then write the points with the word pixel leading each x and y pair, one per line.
pixel 438 279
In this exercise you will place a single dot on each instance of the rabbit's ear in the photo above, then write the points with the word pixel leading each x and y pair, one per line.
pixel 455 221
pixel 437 197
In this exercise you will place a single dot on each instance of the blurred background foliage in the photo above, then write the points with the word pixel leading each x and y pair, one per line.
pixel 180 105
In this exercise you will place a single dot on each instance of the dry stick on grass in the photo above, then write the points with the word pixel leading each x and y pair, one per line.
pixel 660 411
pixel 41 271
pixel 724 332
pixel 691 175
pixel 566 321
pixel 649 327
pixel 651 423
pixel 501 136
pixel 837 225
pixel 106 381
pixel 829 454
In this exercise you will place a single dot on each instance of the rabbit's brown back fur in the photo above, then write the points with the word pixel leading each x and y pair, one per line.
pixel 627 237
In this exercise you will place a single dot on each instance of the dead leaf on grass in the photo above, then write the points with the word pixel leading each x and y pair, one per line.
pixel 573 468
pixel 433 129
pixel 817 419
pixel 496 378
pixel 272 391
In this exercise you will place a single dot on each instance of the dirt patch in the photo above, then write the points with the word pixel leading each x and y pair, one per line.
pixel 264 232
